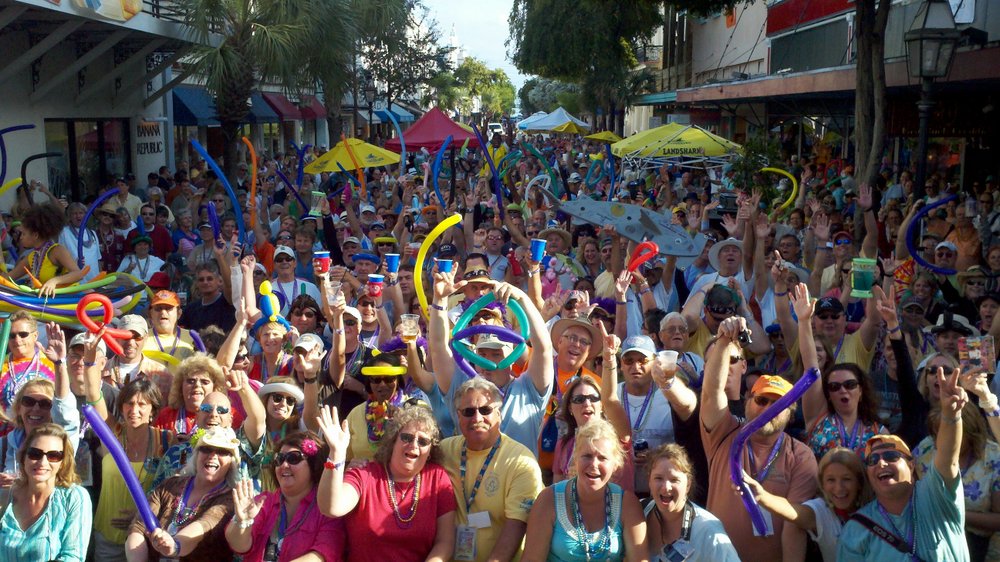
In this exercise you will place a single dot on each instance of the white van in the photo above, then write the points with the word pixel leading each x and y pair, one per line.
pixel 494 128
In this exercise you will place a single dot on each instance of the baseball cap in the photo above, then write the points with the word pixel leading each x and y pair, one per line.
pixel 134 323
pixel 366 257
pixel 489 341
pixel 447 251
pixel 81 339
pixel 353 312
pixel 308 342
pixel 842 234
pixel 204 225
pixel 721 296
pixel 885 441
pixel 642 344
pixel 829 304
pixel 946 244
pixel 284 250
pixel 771 384
pixel 158 281
pixel 575 178
pixel 168 298
pixel 352 240
pixel 366 208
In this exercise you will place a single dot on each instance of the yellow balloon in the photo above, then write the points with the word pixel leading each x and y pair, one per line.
pixel 795 186
pixel 5 187
pixel 418 267
pixel 161 356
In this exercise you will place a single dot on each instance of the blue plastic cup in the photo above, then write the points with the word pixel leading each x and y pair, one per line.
pixel 391 263
pixel 444 266
pixel 538 249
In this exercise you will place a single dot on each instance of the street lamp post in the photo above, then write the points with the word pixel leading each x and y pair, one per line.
pixel 930 46
pixel 370 98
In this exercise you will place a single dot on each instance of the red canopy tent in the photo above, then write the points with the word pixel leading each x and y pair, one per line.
pixel 430 131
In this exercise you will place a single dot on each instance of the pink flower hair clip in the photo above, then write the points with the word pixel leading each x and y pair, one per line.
pixel 309 447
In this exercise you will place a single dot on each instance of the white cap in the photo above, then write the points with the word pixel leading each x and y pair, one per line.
pixel 81 339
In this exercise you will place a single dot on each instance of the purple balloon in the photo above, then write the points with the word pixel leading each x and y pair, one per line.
pixel 121 461
pixel 505 334
pixel 460 361
pixel 736 451
pixel 912 229
pixel 196 339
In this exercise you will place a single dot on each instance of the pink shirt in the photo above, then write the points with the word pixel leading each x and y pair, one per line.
pixel 374 527
pixel 307 531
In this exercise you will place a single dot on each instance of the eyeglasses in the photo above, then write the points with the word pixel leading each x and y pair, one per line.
pixel 848 385
pixel 291 457
pixel 581 398
pixel 409 438
pixel 976 283
pixel 279 398
pixel 470 412
pixel 214 451
pixel 207 408
pixel 736 359
pixel 888 456
pixel 22 335
pixel 29 402
pixel 283 259
pixel 829 316
pixel 36 454
pixel 289 237
pixel 763 401
pixel 475 273
pixel 577 340
pixel 842 241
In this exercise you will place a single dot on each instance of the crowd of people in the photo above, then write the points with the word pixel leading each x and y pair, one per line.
pixel 274 404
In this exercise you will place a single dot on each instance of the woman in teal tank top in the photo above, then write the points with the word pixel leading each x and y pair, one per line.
pixel 587 517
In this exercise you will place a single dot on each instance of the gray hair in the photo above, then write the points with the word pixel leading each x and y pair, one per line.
pixel 673 316
pixel 481 385
pixel 232 477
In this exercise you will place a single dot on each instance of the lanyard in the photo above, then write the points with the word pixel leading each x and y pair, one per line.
pixel 642 411
pixel 177 338
pixel 179 519
pixel 264 369
pixel 911 537
pixel 839 422
pixel 181 419
pixel 773 456
pixel 836 352
pixel 482 472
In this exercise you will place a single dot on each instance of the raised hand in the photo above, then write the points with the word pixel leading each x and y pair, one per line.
pixel 865 197
pixel 622 284
pixel 821 227
pixel 246 504
pixel 976 382
pixel 662 372
pixel 56 350
pixel 445 285
pixel 611 344
pixel 953 396
pixel 886 305
pixel 762 227
pixel 731 225
pixel 336 433
pixel 802 304
pixel 731 327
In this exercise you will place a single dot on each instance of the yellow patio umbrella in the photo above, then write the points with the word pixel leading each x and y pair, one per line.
pixel 368 155
pixel 674 140
pixel 570 127
pixel 605 136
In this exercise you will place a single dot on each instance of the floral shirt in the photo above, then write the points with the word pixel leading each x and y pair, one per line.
pixel 826 435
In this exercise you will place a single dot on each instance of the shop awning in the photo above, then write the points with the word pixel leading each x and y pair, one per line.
pixel 658 98
pixel 260 111
pixel 313 109
pixel 402 115
pixel 363 116
pixel 285 109
pixel 193 107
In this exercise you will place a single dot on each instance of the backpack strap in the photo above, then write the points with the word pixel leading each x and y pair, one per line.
pixel 881 532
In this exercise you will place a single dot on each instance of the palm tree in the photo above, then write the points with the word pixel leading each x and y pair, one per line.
pixel 244 43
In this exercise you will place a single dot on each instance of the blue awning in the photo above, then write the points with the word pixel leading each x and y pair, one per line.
pixel 193 107
pixel 658 98
pixel 402 115
pixel 260 111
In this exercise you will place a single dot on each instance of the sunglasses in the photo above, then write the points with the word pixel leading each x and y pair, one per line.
pixel 720 310
pixel 215 451
pixel 283 259
pixel 736 359
pixel 976 283
pixel 888 456
pixel 207 408
pixel 633 360
pixel 350 323
pixel 848 385
pixel 829 316
pixel 278 399
pixel 291 457
pixel 29 402
pixel 22 335
pixel 475 273
pixel 945 254
pixel 382 380
pixel 842 241
pixel 470 412
pixel 409 438
pixel 36 454
pixel 764 401
pixel 581 398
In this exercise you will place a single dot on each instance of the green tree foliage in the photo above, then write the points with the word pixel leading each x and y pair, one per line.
pixel 546 95
pixel 493 86
pixel 524 96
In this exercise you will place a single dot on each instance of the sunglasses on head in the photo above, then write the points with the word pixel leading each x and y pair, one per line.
pixel 835 386
pixel 483 411
pixel 279 398
pixel 207 408
pixel 29 402
pixel 889 457
pixel 36 454
pixel 409 438
pixel 22 335
pixel 581 398
pixel 291 457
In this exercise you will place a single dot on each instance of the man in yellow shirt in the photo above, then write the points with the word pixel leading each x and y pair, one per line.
pixel 497 150
pixel 496 479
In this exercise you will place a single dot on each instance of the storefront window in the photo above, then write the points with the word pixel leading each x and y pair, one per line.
pixel 94 152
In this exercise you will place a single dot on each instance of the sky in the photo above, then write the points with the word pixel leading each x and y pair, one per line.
pixel 481 28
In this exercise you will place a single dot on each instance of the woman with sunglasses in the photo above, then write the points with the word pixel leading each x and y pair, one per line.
pixel 193 379
pixel 588 516
pixel 271 415
pixel 843 410
pixel 192 507
pixel 402 505
pixel 287 524
pixel 384 378
pixel 45 514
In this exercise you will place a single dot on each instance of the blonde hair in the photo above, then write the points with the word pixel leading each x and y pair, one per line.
pixel 923 381
pixel 851 461
pixel 975 432
pixel 66 475
pixel 197 363
pixel 677 456
pixel 595 430
pixel 47 387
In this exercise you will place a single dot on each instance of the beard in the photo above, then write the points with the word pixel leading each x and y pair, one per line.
pixel 775 426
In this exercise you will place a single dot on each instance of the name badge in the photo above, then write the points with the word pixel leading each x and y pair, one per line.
pixel 465 543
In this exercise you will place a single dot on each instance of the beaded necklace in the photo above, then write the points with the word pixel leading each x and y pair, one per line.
pixel 401 521
pixel 580 531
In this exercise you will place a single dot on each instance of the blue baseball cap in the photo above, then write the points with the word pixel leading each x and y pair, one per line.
pixel 642 344
pixel 367 257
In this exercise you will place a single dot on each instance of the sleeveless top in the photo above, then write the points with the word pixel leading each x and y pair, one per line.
pixel 566 542
pixel 826 435
pixel 46 269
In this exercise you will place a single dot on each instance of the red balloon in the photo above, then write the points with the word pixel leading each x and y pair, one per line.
pixel 644 252
pixel 111 335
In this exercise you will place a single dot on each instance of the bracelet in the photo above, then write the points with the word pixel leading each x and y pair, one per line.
pixel 783 294
pixel 57 363
pixel 338 331
pixel 989 404
pixel 896 330
pixel 310 381
pixel 391 283
pixel 995 413
pixel 89 364
pixel 621 302
pixel 645 291
pixel 99 398
pixel 669 385
pixel 533 272
pixel 245 524
pixel 952 421
pixel 177 547
pixel 331 465
pixel 437 307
